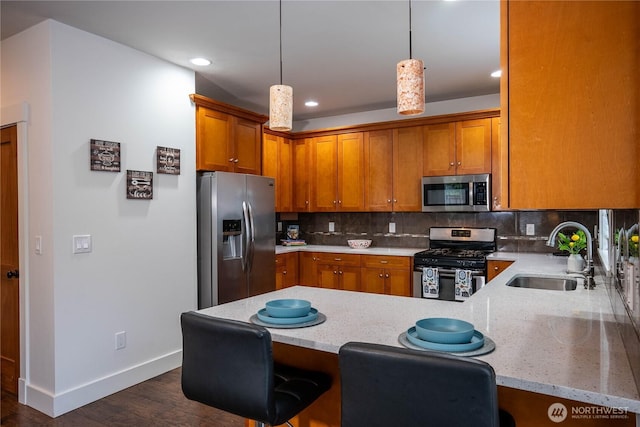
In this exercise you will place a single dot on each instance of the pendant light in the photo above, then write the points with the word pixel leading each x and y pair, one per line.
pixel 280 98
pixel 410 82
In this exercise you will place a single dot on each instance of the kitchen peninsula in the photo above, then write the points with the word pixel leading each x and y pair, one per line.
pixel 560 344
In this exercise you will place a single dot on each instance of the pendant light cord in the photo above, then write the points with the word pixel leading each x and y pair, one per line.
pixel 281 42
pixel 410 38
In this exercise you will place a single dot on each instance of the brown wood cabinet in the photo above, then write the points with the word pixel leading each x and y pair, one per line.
pixel 338 271
pixel 407 169
pixel 277 162
pixel 390 275
pixel 307 269
pixel 301 185
pixel 457 148
pixel 228 138
pixel 495 267
pixel 286 270
pixel 571 91
pixel 337 173
pixel 390 171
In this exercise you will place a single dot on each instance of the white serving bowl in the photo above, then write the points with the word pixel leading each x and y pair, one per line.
pixel 359 243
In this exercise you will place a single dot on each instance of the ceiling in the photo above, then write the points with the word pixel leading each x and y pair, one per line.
pixel 342 54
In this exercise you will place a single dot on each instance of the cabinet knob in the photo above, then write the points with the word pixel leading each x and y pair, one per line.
pixel 496 268
pixel 334 202
pixel 306 202
pixel 451 164
pixel 459 163
pixel 235 160
pixel 335 272
pixel 386 275
pixel 339 272
pixel 284 272
pixel 395 200
pixel 340 201
pixel 380 275
pixel 231 159
pixel 388 200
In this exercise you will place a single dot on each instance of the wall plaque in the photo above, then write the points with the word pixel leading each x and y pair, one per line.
pixel 139 185
pixel 105 156
pixel 168 160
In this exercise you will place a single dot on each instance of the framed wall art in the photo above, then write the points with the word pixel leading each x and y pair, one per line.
pixel 139 185
pixel 105 155
pixel 168 160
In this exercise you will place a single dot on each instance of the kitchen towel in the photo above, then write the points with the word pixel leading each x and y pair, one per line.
pixel 430 282
pixel 463 284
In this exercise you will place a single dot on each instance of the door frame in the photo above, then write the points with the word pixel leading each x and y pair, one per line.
pixel 18 114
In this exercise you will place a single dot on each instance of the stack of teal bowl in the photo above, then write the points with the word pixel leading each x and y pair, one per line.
pixel 287 312
pixel 445 334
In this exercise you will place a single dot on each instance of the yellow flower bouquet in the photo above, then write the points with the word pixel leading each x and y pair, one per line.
pixel 573 243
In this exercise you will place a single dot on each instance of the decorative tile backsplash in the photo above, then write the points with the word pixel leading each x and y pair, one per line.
pixel 412 228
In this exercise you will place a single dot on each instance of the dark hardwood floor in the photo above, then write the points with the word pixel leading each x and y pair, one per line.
pixel 156 402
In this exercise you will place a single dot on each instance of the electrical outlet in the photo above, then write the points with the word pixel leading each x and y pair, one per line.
pixel 332 227
pixel 531 229
pixel 121 340
pixel 279 225
pixel 392 227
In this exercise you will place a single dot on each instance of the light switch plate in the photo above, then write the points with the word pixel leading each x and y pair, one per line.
pixel 82 244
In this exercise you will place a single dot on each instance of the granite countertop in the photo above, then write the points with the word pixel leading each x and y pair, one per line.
pixel 563 344
pixel 347 250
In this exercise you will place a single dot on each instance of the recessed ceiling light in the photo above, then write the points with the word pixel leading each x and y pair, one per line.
pixel 311 103
pixel 496 73
pixel 200 61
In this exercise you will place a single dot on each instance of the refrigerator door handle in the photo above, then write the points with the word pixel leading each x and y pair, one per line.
pixel 252 238
pixel 247 237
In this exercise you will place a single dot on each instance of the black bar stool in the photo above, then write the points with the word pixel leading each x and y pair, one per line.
pixel 392 386
pixel 229 365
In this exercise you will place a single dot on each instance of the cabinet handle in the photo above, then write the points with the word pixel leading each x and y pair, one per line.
pixel 384 262
pixel 451 164
pixel 339 272
pixel 231 159
pixel 284 272
pixel 496 268
pixel 337 259
pixel 334 202
pixel 380 275
pixel 386 275
pixel 235 160
pixel 388 200
pixel 459 163
pixel 306 202
pixel 395 200
pixel 340 201
pixel 335 272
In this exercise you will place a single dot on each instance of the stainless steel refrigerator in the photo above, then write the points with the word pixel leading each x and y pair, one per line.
pixel 236 237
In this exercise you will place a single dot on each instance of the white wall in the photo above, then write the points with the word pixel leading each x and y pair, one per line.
pixel 142 272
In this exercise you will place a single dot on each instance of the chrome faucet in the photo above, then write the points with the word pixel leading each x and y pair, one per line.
pixel 589 270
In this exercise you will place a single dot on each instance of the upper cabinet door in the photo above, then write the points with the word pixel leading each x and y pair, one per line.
pixel 324 174
pixel 473 147
pixel 247 146
pixel 407 169
pixel 301 174
pixel 214 141
pixel 439 149
pixel 378 170
pixel 572 103
pixel 351 172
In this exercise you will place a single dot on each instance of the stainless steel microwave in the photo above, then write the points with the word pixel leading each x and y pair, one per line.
pixel 456 193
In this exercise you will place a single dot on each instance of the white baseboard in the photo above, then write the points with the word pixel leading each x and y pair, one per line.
pixel 56 405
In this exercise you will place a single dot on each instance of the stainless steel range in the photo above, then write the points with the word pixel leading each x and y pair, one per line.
pixel 454 266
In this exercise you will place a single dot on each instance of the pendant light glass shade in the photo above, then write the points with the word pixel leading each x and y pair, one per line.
pixel 280 107
pixel 410 84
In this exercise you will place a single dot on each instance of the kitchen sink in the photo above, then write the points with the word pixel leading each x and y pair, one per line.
pixel 542 282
